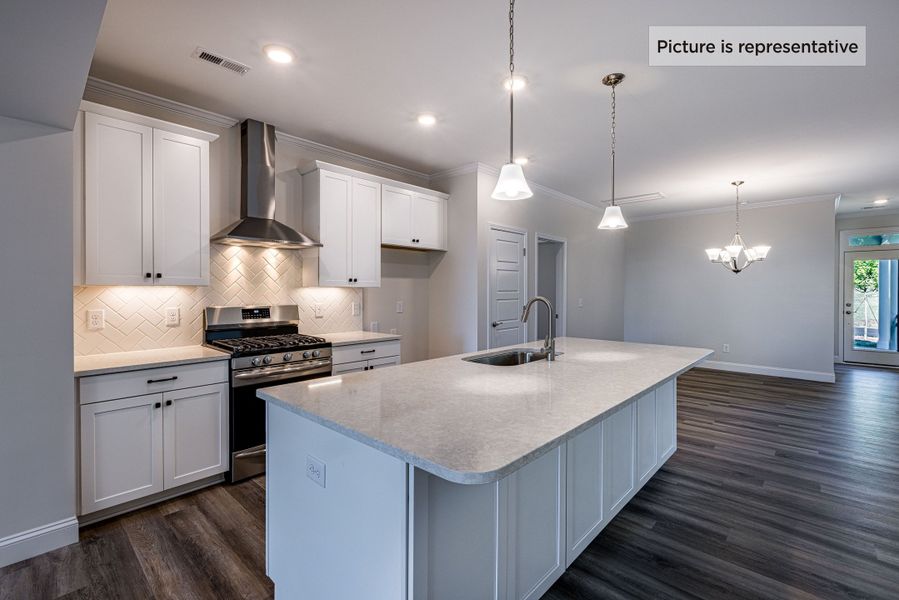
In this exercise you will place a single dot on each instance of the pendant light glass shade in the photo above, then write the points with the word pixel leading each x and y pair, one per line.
pixel 511 184
pixel 612 219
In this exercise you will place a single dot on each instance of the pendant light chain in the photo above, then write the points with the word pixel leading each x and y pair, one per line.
pixel 613 145
pixel 737 185
pixel 511 77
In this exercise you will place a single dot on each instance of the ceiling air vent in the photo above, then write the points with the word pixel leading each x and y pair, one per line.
pixel 220 61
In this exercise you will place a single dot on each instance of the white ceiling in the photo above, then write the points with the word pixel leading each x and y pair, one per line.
pixel 366 69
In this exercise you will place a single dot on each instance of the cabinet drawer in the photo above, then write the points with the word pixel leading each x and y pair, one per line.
pixel 357 352
pixel 98 388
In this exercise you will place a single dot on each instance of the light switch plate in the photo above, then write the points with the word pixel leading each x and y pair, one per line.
pixel 318 310
pixel 357 309
pixel 96 319
pixel 172 316
pixel 725 348
pixel 315 470
pixel 400 306
pixel 580 303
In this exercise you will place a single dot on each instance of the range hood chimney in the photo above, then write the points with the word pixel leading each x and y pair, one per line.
pixel 257 225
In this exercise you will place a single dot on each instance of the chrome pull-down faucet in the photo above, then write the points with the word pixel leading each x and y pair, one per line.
pixel 549 344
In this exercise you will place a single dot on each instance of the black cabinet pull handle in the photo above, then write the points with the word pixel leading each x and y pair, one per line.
pixel 159 276
pixel 148 275
pixel 350 280
pixel 365 368
pixel 172 378
pixel 157 405
pixel 168 402
pixel 368 351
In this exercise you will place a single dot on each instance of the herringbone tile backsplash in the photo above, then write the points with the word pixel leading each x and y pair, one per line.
pixel 135 316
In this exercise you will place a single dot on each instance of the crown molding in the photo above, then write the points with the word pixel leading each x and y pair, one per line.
pixel 472 167
pixel 324 149
pixel 727 209
pixel 120 91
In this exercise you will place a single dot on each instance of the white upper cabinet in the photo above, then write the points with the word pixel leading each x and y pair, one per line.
pixel 343 213
pixel 180 209
pixel 118 201
pixel 145 201
pixel 413 219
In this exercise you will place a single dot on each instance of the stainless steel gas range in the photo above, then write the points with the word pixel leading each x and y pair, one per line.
pixel 266 349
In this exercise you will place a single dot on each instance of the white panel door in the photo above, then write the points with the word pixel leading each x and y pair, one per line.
pixel 666 415
pixel 365 224
pixel 335 206
pixel 118 202
pixel 618 460
pixel 428 221
pixel 507 287
pixel 535 526
pixel 121 451
pixel 396 216
pixel 647 436
pixel 180 209
pixel 195 433
pixel 584 483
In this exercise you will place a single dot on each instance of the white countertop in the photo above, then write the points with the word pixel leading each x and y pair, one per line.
pixel 475 423
pixel 345 338
pixel 117 362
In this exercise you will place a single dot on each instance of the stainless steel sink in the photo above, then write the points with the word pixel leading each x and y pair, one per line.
pixel 509 358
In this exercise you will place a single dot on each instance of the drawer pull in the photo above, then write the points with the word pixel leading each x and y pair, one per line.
pixel 368 351
pixel 157 405
pixel 172 378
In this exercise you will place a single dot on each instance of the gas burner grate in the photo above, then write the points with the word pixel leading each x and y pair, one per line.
pixel 268 343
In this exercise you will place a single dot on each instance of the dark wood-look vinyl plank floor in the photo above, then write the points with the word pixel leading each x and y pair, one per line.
pixel 779 489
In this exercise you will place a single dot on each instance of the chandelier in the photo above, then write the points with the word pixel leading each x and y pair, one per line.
pixel 736 256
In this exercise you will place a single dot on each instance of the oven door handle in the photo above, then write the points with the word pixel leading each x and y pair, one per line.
pixel 250 453
pixel 261 373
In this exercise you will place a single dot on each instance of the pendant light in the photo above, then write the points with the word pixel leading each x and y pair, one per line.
pixel 511 184
pixel 612 217
pixel 729 256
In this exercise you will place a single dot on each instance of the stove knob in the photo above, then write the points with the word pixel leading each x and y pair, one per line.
pixel 256 361
pixel 288 357
pixel 267 359
pixel 316 353
pixel 305 355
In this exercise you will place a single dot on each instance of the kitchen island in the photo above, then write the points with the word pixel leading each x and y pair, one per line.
pixel 452 479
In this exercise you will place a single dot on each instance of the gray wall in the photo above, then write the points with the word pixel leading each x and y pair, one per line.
pixel 595 259
pixel 778 313
pixel 37 404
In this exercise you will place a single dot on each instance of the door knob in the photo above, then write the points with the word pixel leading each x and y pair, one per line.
pixel 848 312
pixel 497 323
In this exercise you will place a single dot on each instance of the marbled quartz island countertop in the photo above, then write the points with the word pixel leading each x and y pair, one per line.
pixel 473 423
pixel 345 338
pixel 118 362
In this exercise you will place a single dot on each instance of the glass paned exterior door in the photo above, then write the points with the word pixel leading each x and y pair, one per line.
pixel 871 305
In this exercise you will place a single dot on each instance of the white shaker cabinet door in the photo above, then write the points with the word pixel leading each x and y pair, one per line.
pixel 585 510
pixel 196 433
pixel 365 224
pixel 118 203
pixel 121 451
pixel 428 221
pixel 396 216
pixel 618 458
pixel 666 415
pixel 335 205
pixel 180 209
pixel 647 437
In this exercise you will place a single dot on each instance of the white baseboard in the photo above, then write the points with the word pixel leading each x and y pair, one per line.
pixel 36 541
pixel 719 365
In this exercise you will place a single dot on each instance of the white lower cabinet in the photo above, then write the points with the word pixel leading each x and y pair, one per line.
pixel 121 451
pixel 354 358
pixel 618 456
pixel 646 437
pixel 139 446
pixel 586 517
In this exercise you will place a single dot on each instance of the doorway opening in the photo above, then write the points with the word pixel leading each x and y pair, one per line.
pixel 552 281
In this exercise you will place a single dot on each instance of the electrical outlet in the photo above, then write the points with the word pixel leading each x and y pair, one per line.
pixel 393 331
pixel 357 309
pixel 375 326
pixel 318 311
pixel 315 470
pixel 725 348
pixel 96 319
pixel 172 316
pixel 580 303
pixel 400 306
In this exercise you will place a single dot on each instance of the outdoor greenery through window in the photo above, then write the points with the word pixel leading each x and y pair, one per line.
pixel 874 306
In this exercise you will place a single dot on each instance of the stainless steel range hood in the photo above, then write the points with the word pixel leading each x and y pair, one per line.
pixel 257 225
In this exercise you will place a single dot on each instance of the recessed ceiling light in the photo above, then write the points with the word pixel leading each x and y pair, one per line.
pixel 881 201
pixel 427 120
pixel 521 160
pixel 279 54
pixel 515 83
